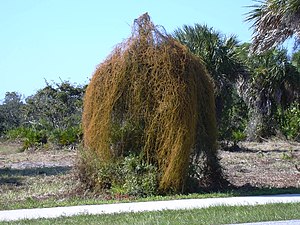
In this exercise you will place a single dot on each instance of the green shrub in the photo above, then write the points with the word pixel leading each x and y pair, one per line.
pixel 127 176
pixel 16 133
pixel 238 136
pixel 11 112
pixel 95 175
pixel 56 106
pixel 289 121
pixel 52 115
pixel 233 121
pixel 71 135
pixel 140 177
pixel 30 137
pixel 38 136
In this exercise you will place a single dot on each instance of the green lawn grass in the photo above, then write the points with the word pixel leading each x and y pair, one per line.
pixel 31 202
pixel 211 215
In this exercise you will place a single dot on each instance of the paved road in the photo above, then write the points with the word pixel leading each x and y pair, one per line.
pixel 11 215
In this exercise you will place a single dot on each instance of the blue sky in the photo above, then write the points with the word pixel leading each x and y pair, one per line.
pixel 67 39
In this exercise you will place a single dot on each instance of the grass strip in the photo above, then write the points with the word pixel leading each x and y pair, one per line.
pixel 31 202
pixel 211 215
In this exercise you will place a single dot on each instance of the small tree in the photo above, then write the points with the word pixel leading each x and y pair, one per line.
pixel 56 106
pixel 153 98
pixel 11 115
pixel 52 114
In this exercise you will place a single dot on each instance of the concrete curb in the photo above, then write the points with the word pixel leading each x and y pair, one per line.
pixel 12 215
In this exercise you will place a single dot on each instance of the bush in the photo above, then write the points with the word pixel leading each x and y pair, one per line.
pixel 56 106
pixel 30 137
pixel 96 176
pixel 130 176
pixel 140 177
pixel 35 136
pixel 233 121
pixel 152 96
pixel 69 136
pixel 289 121
pixel 11 112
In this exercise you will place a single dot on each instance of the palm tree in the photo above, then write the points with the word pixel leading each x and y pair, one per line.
pixel 274 83
pixel 274 21
pixel 215 49
pixel 221 59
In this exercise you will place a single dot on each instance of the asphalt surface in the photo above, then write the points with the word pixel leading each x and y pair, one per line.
pixel 12 215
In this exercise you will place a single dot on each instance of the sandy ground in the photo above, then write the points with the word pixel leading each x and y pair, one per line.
pixel 271 164
pixel 267 164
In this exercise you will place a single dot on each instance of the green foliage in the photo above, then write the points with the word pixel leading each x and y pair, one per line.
pixel 296 60
pixel 140 177
pixel 95 175
pixel 34 136
pixel 52 114
pixel 29 136
pixel 222 62
pixel 273 83
pixel 238 136
pixel 274 21
pixel 71 135
pixel 128 176
pixel 11 114
pixel 234 121
pixel 57 106
pixel 289 121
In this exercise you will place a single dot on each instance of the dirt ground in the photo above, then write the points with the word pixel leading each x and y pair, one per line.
pixel 34 175
pixel 11 157
pixel 271 164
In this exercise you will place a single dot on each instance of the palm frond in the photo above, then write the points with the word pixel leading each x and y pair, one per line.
pixel 274 21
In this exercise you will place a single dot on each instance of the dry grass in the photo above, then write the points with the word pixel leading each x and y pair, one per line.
pixel 36 175
pixel 270 164
pixel 7 148
pixel 43 176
